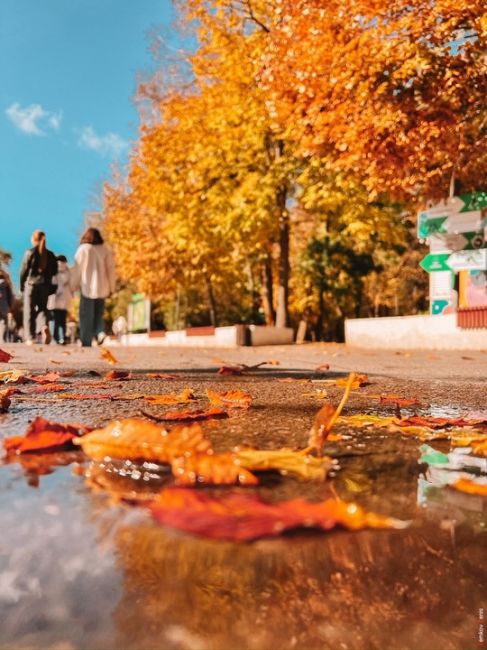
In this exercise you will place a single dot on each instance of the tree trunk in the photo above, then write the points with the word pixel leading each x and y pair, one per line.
pixel 212 302
pixel 268 292
pixel 282 315
pixel 321 316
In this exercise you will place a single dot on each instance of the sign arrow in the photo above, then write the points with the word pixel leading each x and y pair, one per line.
pixel 473 201
pixel 435 262
pixel 468 260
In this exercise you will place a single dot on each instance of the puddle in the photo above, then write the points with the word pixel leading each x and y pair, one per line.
pixel 79 570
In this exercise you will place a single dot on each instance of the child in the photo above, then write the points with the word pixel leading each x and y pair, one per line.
pixel 6 302
pixel 59 303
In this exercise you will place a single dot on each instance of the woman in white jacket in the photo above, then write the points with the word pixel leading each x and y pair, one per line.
pixel 94 276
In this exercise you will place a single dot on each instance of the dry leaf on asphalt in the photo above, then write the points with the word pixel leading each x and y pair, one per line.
pixel 13 377
pixel 117 375
pixel 48 378
pixel 184 397
pixel 188 415
pixel 245 517
pixel 230 399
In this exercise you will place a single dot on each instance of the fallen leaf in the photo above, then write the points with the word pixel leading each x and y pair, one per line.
pixel 44 388
pixel 4 401
pixel 44 436
pixel 230 399
pixel 50 377
pixel 327 416
pixel 187 415
pixel 286 462
pixel 211 469
pixel 13 377
pixel 162 375
pixel 400 401
pixel 435 422
pixel 480 448
pixel 468 358
pixel 134 439
pixel 106 355
pixel 184 397
pixel 470 487
pixel 322 367
pixel 244 517
pixel 58 363
pixel 117 375
pixel 5 356
pixel 230 370
pixel 358 381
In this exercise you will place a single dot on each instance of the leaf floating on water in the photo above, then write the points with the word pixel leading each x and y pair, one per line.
pixel 480 448
pixel 106 355
pixel 244 517
pixel 211 469
pixel 326 418
pixel 135 439
pixel 286 462
pixel 184 397
pixel 45 436
pixel 436 423
pixel 188 415
pixel 230 399
pixel 5 356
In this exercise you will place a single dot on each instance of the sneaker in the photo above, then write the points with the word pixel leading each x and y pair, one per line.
pixel 29 342
pixel 46 335
pixel 100 338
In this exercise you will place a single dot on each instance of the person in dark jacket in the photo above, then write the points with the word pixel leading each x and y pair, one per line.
pixel 6 302
pixel 36 272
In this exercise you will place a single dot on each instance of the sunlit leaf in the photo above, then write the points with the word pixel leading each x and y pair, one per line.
pixel 135 439
pixel 184 397
pixel 48 378
pixel 211 469
pixel 230 399
pixel 285 461
pixel 13 377
pixel 106 355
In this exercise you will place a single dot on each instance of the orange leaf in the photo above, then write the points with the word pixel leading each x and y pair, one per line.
pixel 185 396
pixel 184 415
pixel 244 517
pixel 358 382
pixel 117 375
pixel 435 423
pixel 162 375
pixel 44 388
pixel 230 370
pixel 108 356
pixel 400 401
pixel 133 439
pixel 230 399
pixel 44 436
pixel 48 378
pixel 211 469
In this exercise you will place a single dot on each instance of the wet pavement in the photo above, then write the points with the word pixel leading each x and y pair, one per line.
pixel 80 570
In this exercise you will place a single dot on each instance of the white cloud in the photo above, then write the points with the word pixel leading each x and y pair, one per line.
pixel 109 144
pixel 33 119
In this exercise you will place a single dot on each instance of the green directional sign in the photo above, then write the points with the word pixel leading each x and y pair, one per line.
pixel 428 227
pixel 475 240
pixel 473 201
pixel 435 262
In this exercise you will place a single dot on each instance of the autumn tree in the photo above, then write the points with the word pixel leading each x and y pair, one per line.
pixel 392 90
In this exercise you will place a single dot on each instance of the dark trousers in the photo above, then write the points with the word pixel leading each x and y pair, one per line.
pixel 36 316
pixel 59 320
pixel 90 319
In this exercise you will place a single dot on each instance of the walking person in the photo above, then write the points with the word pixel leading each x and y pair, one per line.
pixel 94 275
pixel 36 272
pixel 6 303
pixel 59 303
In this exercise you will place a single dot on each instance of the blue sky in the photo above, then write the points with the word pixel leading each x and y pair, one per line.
pixel 67 75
